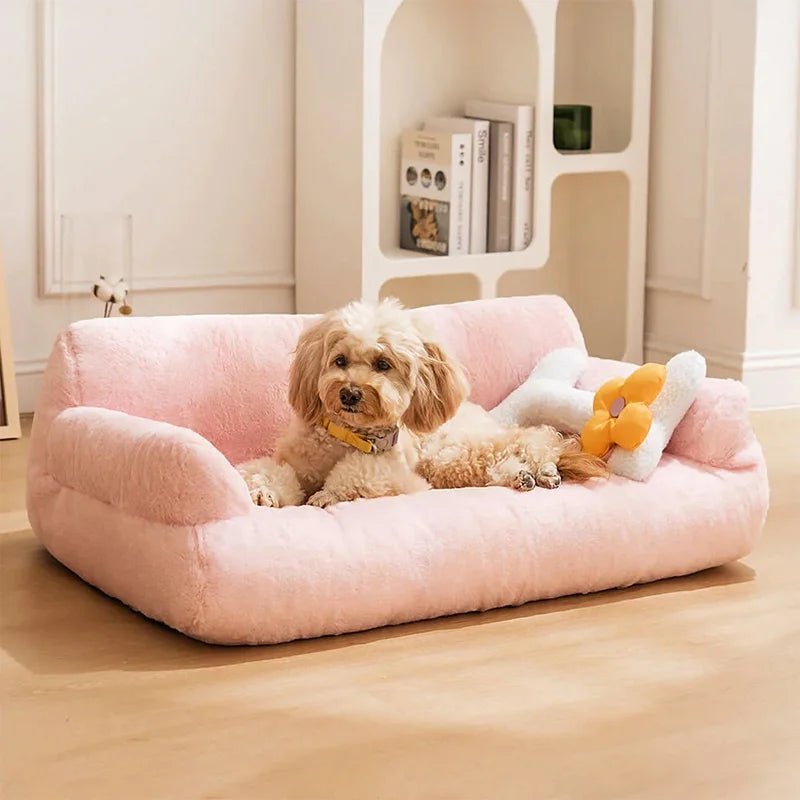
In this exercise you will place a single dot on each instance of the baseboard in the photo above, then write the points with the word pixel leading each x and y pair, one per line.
pixel 29 382
pixel 721 363
pixel 772 376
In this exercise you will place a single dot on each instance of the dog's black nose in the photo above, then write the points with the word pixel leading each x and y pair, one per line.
pixel 350 397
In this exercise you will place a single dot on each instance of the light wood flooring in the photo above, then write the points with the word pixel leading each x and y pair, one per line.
pixel 683 690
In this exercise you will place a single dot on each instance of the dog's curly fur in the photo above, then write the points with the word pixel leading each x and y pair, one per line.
pixel 406 381
pixel 473 449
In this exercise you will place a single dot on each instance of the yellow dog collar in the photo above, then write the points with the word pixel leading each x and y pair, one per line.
pixel 366 444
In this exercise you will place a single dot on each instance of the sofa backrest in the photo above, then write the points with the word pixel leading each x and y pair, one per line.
pixel 226 376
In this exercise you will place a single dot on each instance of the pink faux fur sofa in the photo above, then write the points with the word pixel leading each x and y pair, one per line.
pixel 132 486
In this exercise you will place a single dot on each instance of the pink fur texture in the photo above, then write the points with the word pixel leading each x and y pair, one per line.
pixel 129 462
pixel 131 485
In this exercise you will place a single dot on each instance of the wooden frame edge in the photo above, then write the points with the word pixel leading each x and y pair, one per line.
pixel 11 429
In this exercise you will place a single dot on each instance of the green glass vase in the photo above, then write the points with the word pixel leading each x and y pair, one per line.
pixel 572 127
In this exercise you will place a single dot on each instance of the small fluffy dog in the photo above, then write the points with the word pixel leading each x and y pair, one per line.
pixel 365 383
pixel 380 410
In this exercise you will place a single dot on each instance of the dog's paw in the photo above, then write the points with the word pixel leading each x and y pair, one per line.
pixel 523 481
pixel 262 496
pixel 322 499
pixel 548 476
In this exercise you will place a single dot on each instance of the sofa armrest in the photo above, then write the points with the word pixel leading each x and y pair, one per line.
pixel 145 468
pixel 716 429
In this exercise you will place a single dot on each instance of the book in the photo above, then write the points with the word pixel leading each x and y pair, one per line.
pixel 435 172
pixel 521 117
pixel 479 194
pixel 500 158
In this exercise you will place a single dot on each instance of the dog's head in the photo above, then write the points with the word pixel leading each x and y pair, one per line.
pixel 370 367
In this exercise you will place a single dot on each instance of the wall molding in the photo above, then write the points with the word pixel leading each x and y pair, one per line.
pixel 764 360
pixel 45 46
pixel 222 281
pixel 693 287
pixel 51 278
pixel 772 376
pixel 29 366
pixel 796 293
pixel 733 359
pixel 797 229
pixel 700 284
pixel 29 384
pixel 728 360
pixel 703 289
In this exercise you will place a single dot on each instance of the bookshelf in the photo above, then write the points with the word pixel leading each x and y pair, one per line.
pixel 369 69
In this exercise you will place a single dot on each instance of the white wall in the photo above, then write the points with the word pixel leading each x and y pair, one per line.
pixel 699 181
pixel 772 357
pixel 722 271
pixel 266 166
pixel 723 255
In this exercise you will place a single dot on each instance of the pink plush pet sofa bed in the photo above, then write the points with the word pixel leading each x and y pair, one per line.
pixel 132 486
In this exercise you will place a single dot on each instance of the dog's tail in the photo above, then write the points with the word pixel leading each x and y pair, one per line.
pixel 576 465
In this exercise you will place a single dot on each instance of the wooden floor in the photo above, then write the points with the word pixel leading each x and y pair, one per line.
pixel 688 688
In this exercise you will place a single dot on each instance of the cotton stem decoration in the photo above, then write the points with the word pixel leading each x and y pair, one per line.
pixel 112 294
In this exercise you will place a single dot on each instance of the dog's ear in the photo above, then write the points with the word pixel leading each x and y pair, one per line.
pixel 440 390
pixel 305 371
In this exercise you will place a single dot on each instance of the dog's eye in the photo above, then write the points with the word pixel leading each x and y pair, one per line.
pixel 340 362
pixel 382 365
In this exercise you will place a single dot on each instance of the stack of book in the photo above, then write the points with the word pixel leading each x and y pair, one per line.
pixel 466 183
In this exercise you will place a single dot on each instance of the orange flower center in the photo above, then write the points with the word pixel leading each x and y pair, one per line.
pixel 616 407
